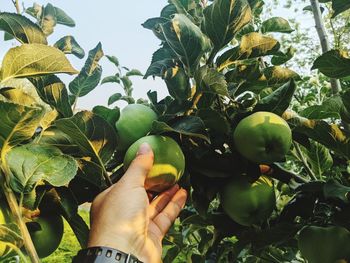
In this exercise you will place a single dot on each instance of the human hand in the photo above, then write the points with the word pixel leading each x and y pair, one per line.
pixel 122 217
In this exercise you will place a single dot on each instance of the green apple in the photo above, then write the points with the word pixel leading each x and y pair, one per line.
pixel 169 161
pixel 263 137
pixel 46 233
pixel 248 203
pixel 135 121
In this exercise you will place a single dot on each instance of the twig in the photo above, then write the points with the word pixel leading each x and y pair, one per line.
pixel 322 34
pixel 16 4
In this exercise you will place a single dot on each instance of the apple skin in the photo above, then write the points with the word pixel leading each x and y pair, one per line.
pixel 135 122
pixel 169 162
pixel 248 203
pixel 263 138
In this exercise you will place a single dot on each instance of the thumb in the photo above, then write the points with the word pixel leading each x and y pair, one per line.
pixel 136 174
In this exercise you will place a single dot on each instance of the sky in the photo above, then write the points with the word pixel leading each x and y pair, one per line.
pixel 117 25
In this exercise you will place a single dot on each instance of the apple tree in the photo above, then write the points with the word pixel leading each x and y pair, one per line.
pixel 266 149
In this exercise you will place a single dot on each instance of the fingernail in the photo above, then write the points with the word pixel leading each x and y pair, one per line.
pixel 144 149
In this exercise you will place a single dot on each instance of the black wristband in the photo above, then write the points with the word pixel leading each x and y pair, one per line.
pixel 103 255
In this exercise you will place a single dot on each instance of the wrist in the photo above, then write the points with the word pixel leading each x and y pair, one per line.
pixel 104 254
pixel 116 242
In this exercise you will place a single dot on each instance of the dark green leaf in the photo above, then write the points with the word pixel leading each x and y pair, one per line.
pixel 53 91
pixel 97 143
pixel 211 81
pixel 190 125
pixel 280 58
pixel 113 59
pixel 186 40
pixel 334 64
pixel 339 6
pixel 330 108
pixel 90 76
pixel 114 98
pixel 278 101
pixel 214 121
pixel 110 115
pixel 334 190
pixel 224 18
pixel 69 45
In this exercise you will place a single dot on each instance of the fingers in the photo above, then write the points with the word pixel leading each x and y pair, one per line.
pixel 136 174
pixel 166 218
pixel 161 201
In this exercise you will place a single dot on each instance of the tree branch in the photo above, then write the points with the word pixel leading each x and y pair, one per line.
pixel 322 34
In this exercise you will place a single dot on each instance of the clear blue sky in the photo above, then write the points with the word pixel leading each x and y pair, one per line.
pixel 117 24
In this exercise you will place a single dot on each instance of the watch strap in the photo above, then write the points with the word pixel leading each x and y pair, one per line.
pixel 103 255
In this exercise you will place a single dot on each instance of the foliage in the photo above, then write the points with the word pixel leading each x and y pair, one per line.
pixel 221 61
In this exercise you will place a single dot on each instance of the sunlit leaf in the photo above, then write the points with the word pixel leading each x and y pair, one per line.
pixel 30 60
pixel 21 28
pixel 31 163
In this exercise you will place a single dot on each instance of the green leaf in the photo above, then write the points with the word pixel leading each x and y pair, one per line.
pixel 62 18
pixel 211 81
pixel 133 72
pixel 252 45
pixel 186 40
pixel 178 83
pixel 214 121
pixel 53 91
pixel 62 201
pixel 154 24
pixel 48 19
pixel 90 76
pixel 111 79
pixel 30 60
pixel 319 158
pixel 163 59
pixel 89 181
pixel 31 163
pixel 21 28
pixel 335 190
pixel 279 100
pixel 18 124
pixel 92 134
pixel 114 98
pixel 224 18
pixel 276 24
pixel 69 45
pixel 330 108
pixel 333 64
pixel 113 59
pixel 190 125
pixel 330 135
pixel 55 137
pixel 109 115
pixel 280 58
pixel 339 6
